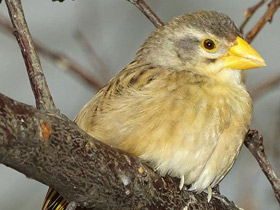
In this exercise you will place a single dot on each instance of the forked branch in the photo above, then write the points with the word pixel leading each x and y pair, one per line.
pixel 267 17
pixel 36 76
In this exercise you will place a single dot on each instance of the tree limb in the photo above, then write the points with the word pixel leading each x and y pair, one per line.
pixel 36 76
pixel 254 142
pixel 88 185
pixel 56 152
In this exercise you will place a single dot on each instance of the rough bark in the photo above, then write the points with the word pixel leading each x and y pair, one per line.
pixel 254 142
pixel 54 151
pixel 34 69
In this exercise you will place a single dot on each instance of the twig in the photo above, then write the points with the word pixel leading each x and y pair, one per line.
pixel 264 88
pixel 84 170
pixel 93 57
pixel 36 76
pixel 147 11
pixel 267 17
pixel 60 59
pixel 63 61
pixel 144 8
pixel 254 142
pixel 250 12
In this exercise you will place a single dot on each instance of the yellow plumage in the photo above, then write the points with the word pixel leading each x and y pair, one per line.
pixel 180 105
pixel 181 123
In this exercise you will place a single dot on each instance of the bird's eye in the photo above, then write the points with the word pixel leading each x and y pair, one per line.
pixel 210 45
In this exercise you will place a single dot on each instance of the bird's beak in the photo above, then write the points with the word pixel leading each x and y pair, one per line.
pixel 242 56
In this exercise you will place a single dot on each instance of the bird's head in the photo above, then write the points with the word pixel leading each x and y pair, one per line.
pixel 206 42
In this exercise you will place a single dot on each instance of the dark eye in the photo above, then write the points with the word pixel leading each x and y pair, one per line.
pixel 209 45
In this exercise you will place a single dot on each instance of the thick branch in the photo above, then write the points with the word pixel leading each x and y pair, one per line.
pixel 37 79
pixel 56 152
pixel 254 142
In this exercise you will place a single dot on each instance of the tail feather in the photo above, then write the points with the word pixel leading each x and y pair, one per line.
pixel 54 201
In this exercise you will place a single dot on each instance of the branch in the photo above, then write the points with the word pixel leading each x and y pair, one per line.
pixel 64 62
pixel 36 76
pixel 250 12
pixel 254 142
pixel 267 17
pixel 147 11
pixel 272 7
pixel 84 170
pixel 144 8
pixel 60 59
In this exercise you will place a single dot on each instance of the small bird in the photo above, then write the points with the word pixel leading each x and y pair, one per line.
pixel 181 104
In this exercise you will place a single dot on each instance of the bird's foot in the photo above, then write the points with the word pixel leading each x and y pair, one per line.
pixel 216 190
pixel 71 206
pixel 182 182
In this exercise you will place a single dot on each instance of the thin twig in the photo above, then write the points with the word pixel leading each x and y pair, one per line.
pixel 264 88
pixel 64 62
pixel 254 142
pixel 250 12
pixel 267 17
pixel 60 59
pixel 92 55
pixel 36 76
pixel 147 11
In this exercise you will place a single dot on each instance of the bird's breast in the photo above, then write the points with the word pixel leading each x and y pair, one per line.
pixel 178 127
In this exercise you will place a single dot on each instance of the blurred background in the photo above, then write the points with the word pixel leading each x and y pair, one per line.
pixel 115 29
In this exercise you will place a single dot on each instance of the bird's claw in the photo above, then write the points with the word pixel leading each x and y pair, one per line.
pixel 182 182
pixel 209 193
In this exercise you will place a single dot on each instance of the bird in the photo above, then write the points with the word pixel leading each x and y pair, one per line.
pixel 181 105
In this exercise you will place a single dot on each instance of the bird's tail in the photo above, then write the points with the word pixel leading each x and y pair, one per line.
pixel 54 201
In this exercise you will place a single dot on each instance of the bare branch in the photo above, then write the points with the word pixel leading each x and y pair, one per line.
pixel 267 17
pixel 59 59
pixel 147 11
pixel 250 12
pixel 36 76
pixel 254 142
pixel 84 170
pixel 63 61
